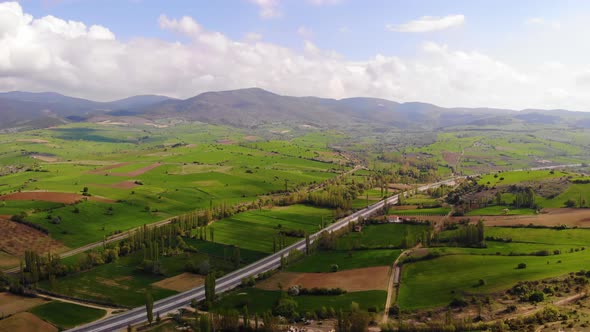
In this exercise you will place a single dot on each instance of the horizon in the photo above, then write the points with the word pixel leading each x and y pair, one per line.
pixel 310 96
pixel 452 55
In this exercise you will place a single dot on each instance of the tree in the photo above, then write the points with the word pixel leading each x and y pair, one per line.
pixel 237 258
pixel 204 323
pixel 307 245
pixel 149 307
pixel 211 234
pixel 210 287
pixel 246 318
pixel 359 320
pixel 570 203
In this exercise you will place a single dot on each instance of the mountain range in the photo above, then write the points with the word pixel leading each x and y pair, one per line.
pixel 254 107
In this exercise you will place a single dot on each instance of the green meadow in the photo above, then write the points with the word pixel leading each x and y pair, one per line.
pixel 67 315
pixel 427 284
pixel 255 230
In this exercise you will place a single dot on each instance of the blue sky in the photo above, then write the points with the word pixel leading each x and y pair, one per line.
pixel 515 54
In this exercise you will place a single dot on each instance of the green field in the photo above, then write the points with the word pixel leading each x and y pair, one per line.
pixel 194 172
pixel 259 300
pixel 498 210
pixel 67 315
pixel 440 211
pixel 256 229
pixel 122 283
pixel 346 260
pixel 427 283
pixel 381 236
pixel 436 282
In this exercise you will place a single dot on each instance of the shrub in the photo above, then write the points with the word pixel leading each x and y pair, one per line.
pixel 334 267
pixel 536 297
pixel 521 266
pixel 458 303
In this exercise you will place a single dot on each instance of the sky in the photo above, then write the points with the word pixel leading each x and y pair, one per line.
pixel 469 53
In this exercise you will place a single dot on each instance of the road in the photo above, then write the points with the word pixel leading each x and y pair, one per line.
pixel 234 279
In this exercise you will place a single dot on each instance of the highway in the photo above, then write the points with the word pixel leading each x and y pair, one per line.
pixel 234 279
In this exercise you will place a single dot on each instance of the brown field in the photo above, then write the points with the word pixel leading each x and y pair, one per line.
pixel 226 141
pixel 48 196
pixel 451 158
pixel 11 304
pixel 7 260
pixel 138 171
pixel 251 138
pixel 16 238
pixel 25 322
pixel 44 157
pixel 106 168
pixel 399 186
pixel 181 282
pixel 356 280
pixel 553 217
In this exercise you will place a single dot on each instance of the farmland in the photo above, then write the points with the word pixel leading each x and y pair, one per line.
pixel 259 300
pixel 66 315
pixel 426 283
pixel 255 230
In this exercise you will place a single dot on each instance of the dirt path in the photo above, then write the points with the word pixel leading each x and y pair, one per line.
pixel 394 279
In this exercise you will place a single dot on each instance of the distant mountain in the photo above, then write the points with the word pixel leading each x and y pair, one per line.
pixel 254 107
pixel 28 110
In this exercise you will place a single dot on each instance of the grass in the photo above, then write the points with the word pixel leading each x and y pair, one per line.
pixel 440 211
pixel 67 315
pixel 429 283
pixel 255 230
pixel 380 236
pixel 122 283
pixel 498 210
pixel 346 260
pixel 259 301
pixel 192 176
pixel 508 178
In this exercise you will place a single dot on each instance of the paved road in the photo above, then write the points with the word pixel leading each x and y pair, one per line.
pixel 234 279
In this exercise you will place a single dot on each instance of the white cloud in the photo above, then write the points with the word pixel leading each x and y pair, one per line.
pixel 428 23
pixel 553 24
pixel 305 32
pixel 252 37
pixel 323 2
pixel 51 54
pixel 268 8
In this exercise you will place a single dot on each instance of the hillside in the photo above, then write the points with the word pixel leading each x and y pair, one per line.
pixel 254 107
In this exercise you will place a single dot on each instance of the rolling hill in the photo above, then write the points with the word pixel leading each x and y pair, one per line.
pixel 254 107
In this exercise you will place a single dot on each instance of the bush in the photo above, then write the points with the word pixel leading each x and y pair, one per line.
pixel 458 303
pixel 334 267
pixel 536 297
pixel 570 203
pixel 521 266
